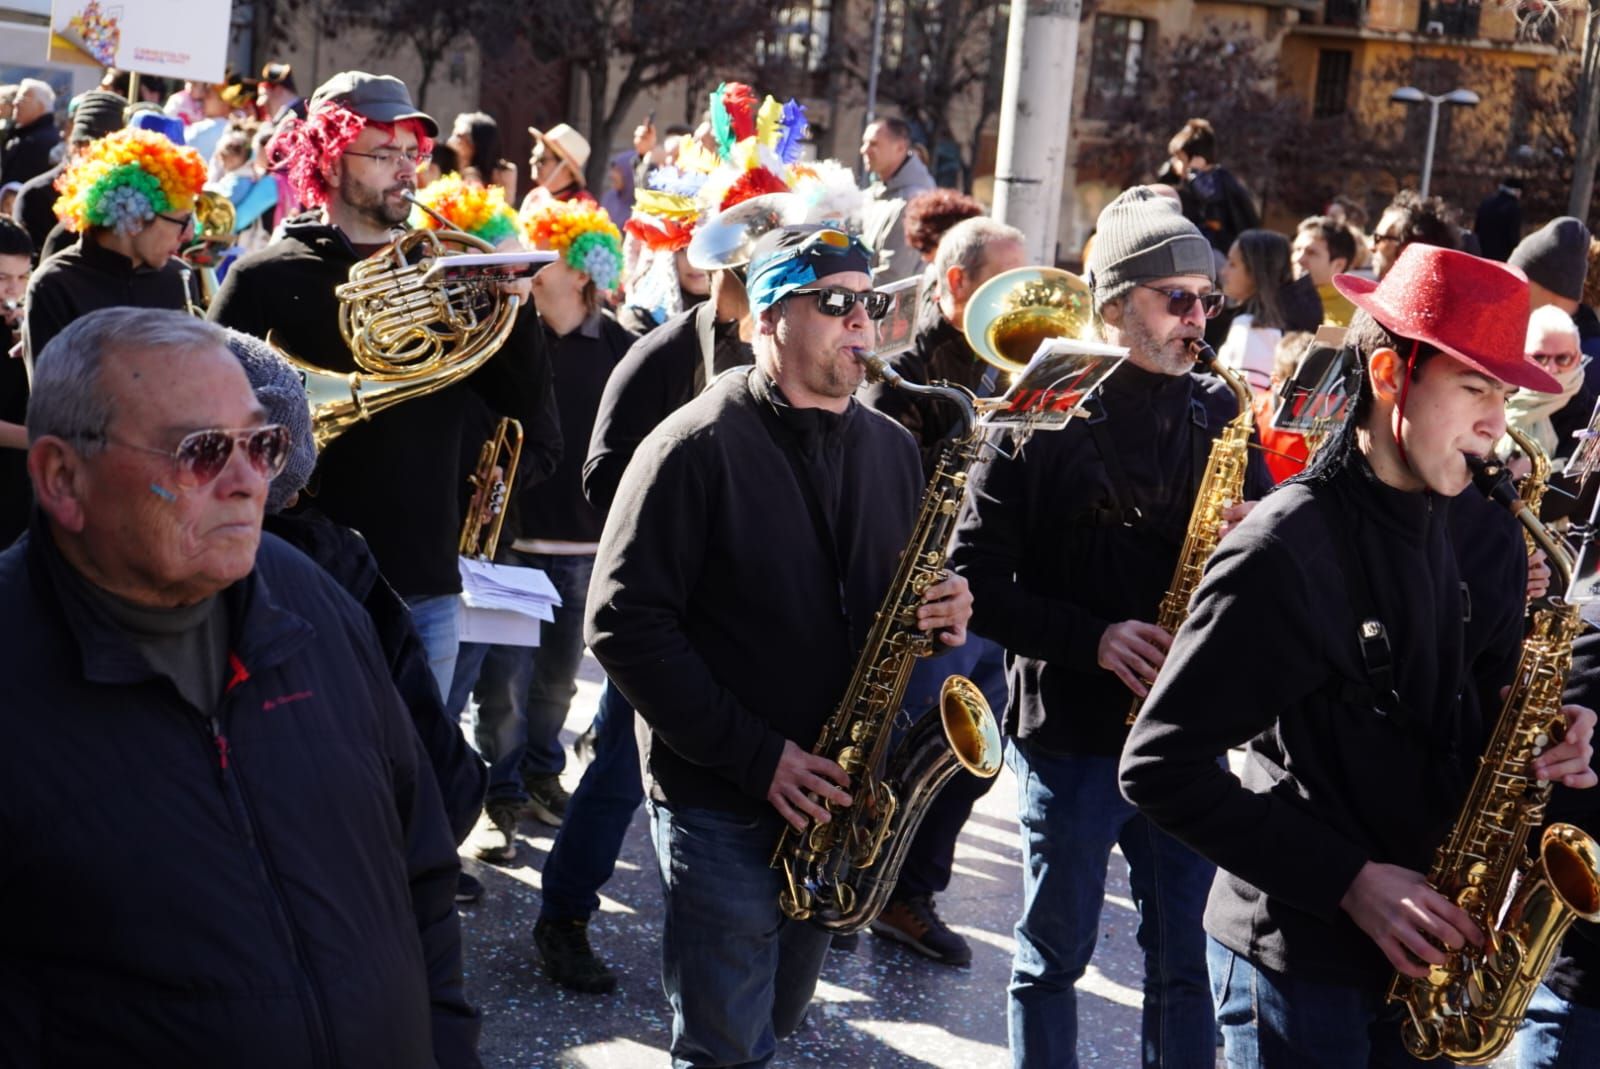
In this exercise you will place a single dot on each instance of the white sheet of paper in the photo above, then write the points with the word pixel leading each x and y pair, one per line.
pixel 498 627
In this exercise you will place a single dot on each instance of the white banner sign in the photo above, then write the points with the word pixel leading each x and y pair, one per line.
pixel 185 39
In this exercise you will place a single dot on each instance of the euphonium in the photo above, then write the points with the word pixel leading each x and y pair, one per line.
pixel 421 313
pixel 1468 1008
pixel 1220 486
pixel 491 483
pixel 840 874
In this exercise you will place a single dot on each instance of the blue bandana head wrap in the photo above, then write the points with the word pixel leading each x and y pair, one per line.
pixel 794 257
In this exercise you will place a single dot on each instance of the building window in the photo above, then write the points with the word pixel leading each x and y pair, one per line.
pixel 1523 94
pixel 1434 76
pixel 1333 83
pixel 1448 18
pixel 1116 63
pixel 798 39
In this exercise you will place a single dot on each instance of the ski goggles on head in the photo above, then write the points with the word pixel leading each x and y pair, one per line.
pixel 795 258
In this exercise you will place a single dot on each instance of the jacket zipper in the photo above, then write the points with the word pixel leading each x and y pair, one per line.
pixel 233 792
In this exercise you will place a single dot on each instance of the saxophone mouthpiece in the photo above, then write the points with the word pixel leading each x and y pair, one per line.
pixel 1493 479
pixel 1203 354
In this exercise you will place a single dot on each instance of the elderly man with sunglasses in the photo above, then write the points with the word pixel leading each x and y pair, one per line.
pixel 189 704
pixel 750 543
pixel 1069 547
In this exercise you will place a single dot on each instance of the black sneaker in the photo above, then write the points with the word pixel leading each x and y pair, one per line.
pixel 568 959
pixel 498 845
pixel 914 922
pixel 469 889
pixel 547 799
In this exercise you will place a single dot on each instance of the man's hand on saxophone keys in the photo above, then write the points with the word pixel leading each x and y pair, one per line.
pixel 946 607
pixel 1414 925
pixel 1568 762
pixel 800 780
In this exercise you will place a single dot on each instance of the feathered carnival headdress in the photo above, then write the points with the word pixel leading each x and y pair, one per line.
pixel 481 211
pixel 581 233
pixel 121 181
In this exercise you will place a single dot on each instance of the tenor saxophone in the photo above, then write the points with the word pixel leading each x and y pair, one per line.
pixel 1220 486
pixel 839 873
pixel 1468 1008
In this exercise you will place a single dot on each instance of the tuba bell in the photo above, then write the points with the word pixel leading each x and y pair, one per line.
pixel 1012 313
pixel 421 313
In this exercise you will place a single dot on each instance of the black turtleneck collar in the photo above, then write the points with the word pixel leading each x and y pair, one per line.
pixel 813 428
pixel 110 261
pixel 1406 512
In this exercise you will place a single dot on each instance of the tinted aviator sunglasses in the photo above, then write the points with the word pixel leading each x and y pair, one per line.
pixel 201 456
pixel 1180 301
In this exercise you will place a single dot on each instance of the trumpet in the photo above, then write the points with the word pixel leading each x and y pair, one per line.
pixel 491 481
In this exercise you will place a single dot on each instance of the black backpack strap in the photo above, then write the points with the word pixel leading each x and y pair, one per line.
pixel 1372 637
pixel 1122 506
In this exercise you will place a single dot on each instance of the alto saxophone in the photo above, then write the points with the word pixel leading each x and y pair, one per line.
pixel 1468 1008
pixel 840 873
pixel 1220 486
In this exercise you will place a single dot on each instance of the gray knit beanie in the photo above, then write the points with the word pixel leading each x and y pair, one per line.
pixel 1556 256
pixel 1143 235
pixel 282 393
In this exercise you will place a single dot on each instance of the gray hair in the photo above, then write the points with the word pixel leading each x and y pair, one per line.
pixel 1548 319
pixel 9 93
pixel 40 90
pixel 966 244
pixel 66 399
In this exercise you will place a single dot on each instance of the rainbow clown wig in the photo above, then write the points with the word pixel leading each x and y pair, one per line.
pixel 481 211
pixel 581 233
pixel 122 180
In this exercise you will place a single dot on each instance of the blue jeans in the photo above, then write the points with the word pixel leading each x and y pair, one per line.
pixel 524 692
pixel 598 816
pixel 932 854
pixel 1557 1034
pixel 436 617
pixel 1271 1020
pixel 1072 814
pixel 738 974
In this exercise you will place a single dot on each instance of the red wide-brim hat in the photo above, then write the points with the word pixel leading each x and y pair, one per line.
pixel 1474 309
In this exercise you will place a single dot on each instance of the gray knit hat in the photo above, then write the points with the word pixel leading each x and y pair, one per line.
pixel 282 392
pixel 1556 256
pixel 1143 235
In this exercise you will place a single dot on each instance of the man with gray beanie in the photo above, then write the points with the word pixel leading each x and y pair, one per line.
pixel 1069 546
pixel 343 554
pixel 1556 260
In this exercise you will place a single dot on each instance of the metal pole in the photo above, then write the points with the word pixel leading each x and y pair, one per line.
pixel 1035 115
pixel 877 57
pixel 1433 128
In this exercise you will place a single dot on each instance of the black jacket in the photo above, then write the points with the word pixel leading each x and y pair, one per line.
pixel 86 277
pixel 1052 562
pixel 1336 774
pixel 396 479
pixel 718 607
pixel 661 373
pixel 27 150
pixel 1499 224
pixel 583 360
pixel 461 774
pixel 1220 206
pixel 939 353
pixel 16 492
pixel 36 207
pixel 1575 974
pixel 267 883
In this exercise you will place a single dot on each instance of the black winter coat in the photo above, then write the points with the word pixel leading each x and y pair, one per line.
pixel 27 151
pixel 85 277
pixel 266 884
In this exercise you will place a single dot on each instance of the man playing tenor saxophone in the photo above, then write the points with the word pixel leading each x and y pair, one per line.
pixel 749 544
pixel 1373 684
pixel 1069 547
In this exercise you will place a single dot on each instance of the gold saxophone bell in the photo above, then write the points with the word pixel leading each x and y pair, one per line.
pixel 420 314
pixel 491 483
pixel 1012 313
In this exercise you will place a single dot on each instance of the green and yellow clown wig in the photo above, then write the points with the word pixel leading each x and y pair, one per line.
pixel 124 179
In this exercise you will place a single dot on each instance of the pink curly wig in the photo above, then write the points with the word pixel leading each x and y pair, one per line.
pixel 301 149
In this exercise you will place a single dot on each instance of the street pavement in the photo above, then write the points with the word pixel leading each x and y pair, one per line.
pixel 881 1006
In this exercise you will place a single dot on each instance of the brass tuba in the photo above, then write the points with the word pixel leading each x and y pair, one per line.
pixel 421 313
pixel 1012 313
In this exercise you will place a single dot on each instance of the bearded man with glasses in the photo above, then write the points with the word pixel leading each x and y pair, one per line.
pixel 188 701
pixel 751 541
pixel 397 478
pixel 1069 547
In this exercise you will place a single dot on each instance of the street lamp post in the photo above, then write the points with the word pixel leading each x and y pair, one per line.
pixel 1412 95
